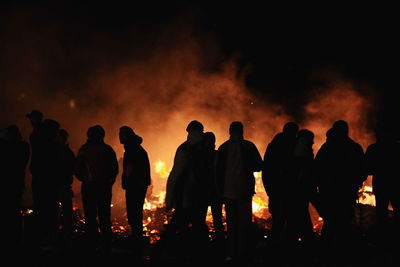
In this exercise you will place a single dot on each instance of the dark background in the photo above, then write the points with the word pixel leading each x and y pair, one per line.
pixel 279 48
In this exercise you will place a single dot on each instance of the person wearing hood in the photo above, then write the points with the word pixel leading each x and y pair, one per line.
pixel 96 166
pixel 135 179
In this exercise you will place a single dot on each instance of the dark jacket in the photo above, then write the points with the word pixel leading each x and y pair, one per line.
pixel 96 162
pixel 66 165
pixel 13 162
pixel 136 165
pixel 252 162
pixel 339 168
pixel 278 162
pixel 186 184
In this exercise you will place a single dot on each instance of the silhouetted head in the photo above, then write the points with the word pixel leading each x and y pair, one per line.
pixel 209 140
pixel 63 136
pixel 51 128
pixel 125 134
pixel 306 136
pixel 13 133
pixel 329 134
pixel 96 133
pixel 195 126
pixel 290 129
pixel 341 128
pixel 236 129
pixel 35 116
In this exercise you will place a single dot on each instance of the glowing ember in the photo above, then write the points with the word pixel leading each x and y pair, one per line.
pixel 366 196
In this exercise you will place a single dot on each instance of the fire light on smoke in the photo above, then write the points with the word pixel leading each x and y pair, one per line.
pixel 167 87
pixel 162 169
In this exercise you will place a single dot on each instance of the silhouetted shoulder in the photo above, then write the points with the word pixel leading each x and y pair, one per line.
pixel 223 146
pixel 356 145
pixel 371 148
pixel 249 144
pixel 109 148
pixel 277 138
pixel 324 147
pixel 83 147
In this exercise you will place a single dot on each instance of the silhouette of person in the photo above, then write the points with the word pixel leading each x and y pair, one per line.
pixel 36 143
pixel 36 119
pixel 305 187
pixel 214 198
pixel 96 167
pixel 237 160
pixel 382 162
pixel 186 192
pixel 339 174
pixel 44 168
pixel 279 177
pixel 135 180
pixel 66 172
pixel 14 160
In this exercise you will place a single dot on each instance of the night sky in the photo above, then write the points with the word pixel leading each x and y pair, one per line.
pixel 278 49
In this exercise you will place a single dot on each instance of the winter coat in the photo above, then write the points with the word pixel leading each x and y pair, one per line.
pixel 96 162
pixel 186 184
pixel 251 162
pixel 136 165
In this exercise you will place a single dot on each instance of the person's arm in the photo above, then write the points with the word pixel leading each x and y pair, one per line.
pixel 114 166
pixel 146 168
pixel 79 166
pixel 178 168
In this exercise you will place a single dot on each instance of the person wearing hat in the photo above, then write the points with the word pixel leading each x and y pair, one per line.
pixel 135 181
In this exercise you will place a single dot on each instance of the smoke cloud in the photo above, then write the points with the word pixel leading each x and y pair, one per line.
pixel 156 85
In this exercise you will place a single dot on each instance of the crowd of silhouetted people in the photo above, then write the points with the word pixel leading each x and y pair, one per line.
pixel 202 177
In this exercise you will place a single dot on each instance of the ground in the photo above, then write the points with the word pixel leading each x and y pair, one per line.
pixel 367 247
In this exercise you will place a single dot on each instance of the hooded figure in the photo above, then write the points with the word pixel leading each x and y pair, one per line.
pixel 135 178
